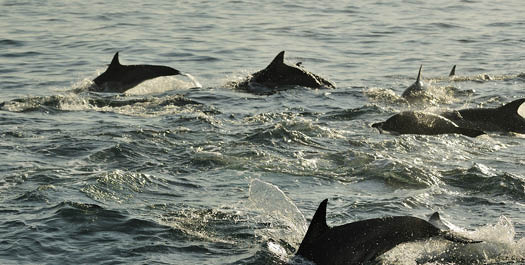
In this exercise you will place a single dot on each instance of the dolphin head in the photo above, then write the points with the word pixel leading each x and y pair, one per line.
pixel 395 122
pixel 378 125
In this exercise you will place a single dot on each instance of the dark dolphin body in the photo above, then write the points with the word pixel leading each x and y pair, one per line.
pixel 414 90
pixel 279 74
pixel 507 118
pixel 415 122
pixel 361 242
pixel 119 78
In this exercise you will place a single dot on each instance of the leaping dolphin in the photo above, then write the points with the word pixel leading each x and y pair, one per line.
pixel 416 122
pixel 362 241
pixel 507 118
pixel 278 74
pixel 119 78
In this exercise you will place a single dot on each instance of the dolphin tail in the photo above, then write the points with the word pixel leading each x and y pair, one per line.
pixel 453 71
pixel 317 227
pixel 470 132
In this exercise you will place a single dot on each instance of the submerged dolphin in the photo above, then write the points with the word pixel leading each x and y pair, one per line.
pixel 416 122
pixel 119 78
pixel 507 118
pixel 415 89
pixel 278 74
pixel 362 241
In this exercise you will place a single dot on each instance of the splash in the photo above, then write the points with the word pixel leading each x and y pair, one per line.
pixel 383 95
pixel 433 94
pixel 163 84
pixel 498 246
pixel 65 102
pixel 280 209
pixel 196 83
pixel 117 186
pixel 204 224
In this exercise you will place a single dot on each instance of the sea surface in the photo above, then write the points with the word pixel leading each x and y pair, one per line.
pixel 177 171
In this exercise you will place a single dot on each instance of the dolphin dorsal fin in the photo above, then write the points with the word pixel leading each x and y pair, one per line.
pixel 515 107
pixel 453 71
pixel 278 60
pixel 435 219
pixel 114 62
pixel 318 224
pixel 419 74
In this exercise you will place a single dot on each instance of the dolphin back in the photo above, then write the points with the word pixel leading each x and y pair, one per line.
pixel 119 78
pixel 363 241
pixel 278 74
pixel 507 118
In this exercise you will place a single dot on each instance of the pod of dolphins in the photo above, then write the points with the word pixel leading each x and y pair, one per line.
pixel 279 75
pixel 362 241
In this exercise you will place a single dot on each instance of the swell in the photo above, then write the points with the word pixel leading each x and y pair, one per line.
pixel 90 233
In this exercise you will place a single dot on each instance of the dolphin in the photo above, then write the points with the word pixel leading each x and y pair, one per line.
pixel 507 118
pixel 415 89
pixel 416 122
pixel 119 78
pixel 478 78
pixel 278 74
pixel 362 241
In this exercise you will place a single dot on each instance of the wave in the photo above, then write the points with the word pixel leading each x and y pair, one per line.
pixel 82 232
pixel 481 179
pixel 148 106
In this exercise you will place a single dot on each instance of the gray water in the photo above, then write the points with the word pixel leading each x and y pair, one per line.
pixel 172 174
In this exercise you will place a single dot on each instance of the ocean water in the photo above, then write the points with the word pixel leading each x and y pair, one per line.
pixel 174 173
